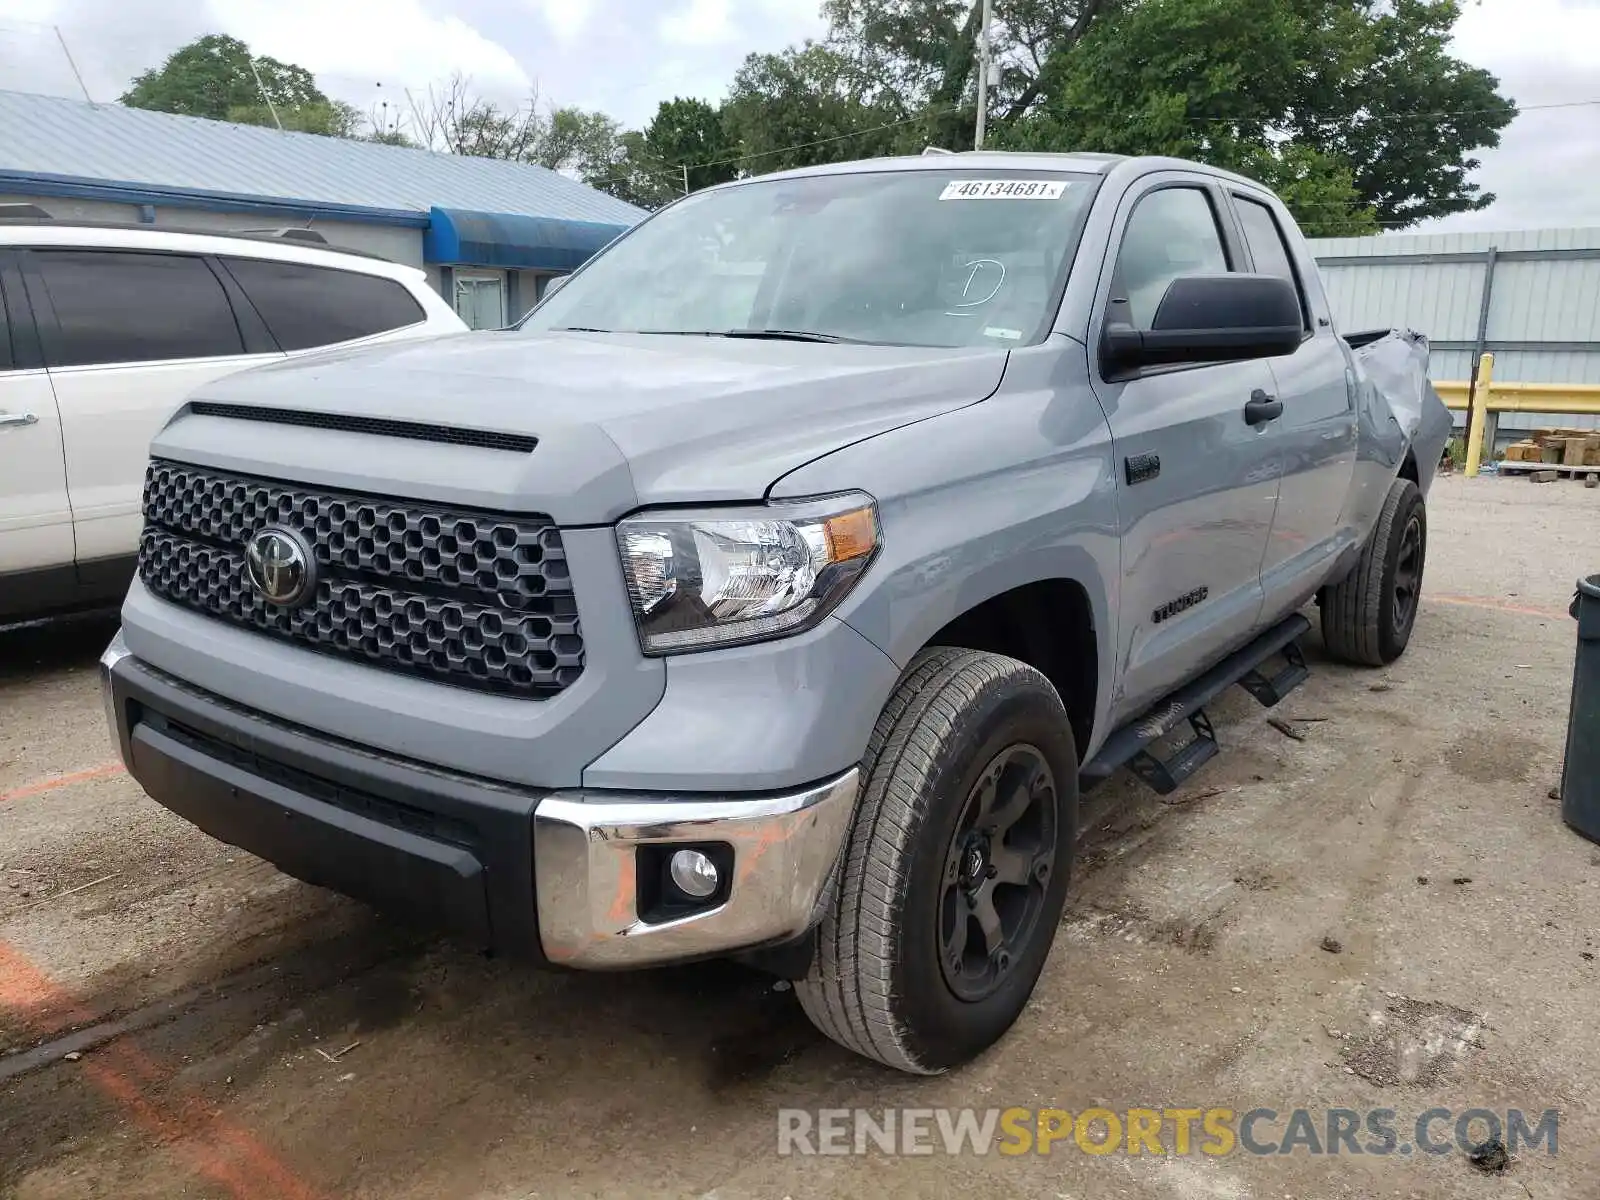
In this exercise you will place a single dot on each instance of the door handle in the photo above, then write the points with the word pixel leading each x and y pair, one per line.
pixel 1262 408
pixel 17 419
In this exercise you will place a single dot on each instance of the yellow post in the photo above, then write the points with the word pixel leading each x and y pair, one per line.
pixel 1480 409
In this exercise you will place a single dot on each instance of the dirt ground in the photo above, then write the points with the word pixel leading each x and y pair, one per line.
pixel 177 1019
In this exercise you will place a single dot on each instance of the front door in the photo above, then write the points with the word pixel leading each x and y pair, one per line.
pixel 1197 484
pixel 35 516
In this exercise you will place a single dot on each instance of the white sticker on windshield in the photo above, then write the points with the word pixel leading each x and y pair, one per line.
pixel 1004 189
pixel 1011 335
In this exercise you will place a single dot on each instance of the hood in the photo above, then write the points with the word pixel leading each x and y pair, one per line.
pixel 694 419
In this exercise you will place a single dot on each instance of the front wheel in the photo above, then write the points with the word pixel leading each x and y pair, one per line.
pixel 1367 618
pixel 956 867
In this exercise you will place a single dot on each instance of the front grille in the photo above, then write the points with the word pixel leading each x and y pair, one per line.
pixel 479 600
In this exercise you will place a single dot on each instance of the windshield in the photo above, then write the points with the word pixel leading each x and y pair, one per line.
pixel 918 258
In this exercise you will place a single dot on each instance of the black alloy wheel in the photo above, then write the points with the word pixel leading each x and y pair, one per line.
pixel 997 870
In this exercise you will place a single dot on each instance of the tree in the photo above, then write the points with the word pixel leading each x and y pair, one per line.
pixel 578 142
pixel 921 55
pixel 212 76
pixel 1208 80
pixel 691 133
pixel 807 105
pixel 591 146
pixel 331 118
pixel 1403 112
pixel 638 175
pixel 1354 107
pixel 451 118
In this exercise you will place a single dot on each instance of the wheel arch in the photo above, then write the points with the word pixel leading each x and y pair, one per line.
pixel 1049 609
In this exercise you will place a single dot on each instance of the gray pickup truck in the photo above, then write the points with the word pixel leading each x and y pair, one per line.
pixel 776 587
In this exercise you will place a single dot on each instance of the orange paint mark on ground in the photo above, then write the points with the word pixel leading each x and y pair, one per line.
pixel 57 781
pixel 214 1147
pixel 1550 614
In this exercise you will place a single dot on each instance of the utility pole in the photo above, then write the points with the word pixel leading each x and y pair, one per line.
pixel 983 73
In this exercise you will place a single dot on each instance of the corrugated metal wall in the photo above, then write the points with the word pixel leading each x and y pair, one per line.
pixel 1543 316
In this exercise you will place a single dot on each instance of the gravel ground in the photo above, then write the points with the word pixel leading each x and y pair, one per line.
pixel 1383 913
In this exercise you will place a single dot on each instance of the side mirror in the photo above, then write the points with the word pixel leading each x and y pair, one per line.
pixel 552 286
pixel 1211 318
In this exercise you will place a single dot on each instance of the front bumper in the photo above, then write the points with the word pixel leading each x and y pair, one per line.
pixel 570 877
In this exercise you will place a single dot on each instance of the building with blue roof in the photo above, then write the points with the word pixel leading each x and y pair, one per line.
pixel 488 232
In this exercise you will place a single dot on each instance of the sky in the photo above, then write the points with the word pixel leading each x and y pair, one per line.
pixel 623 56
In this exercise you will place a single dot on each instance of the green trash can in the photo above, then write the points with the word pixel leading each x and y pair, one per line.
pixel 1580 771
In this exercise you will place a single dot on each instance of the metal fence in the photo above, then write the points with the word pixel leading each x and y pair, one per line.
pixel 1531 297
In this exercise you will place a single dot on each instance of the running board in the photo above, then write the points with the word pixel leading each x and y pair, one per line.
pixel 1270 691
pixel 1130 745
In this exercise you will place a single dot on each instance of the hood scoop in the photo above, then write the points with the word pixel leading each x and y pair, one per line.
pixel 417 431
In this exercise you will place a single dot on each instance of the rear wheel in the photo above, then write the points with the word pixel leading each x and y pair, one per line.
pixel 1367 618
pixel 956 868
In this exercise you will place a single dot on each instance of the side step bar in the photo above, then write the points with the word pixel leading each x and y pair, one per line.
pixel 1130 745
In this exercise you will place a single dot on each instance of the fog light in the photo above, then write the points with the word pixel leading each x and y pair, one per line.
pixel 693 874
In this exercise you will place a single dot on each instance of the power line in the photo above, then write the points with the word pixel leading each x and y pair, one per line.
pixel 1417 116
pixel 740 158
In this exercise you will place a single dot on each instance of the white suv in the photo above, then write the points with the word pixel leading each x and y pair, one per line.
pixel 105 330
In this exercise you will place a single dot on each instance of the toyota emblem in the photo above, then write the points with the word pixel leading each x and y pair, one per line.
pixel 280 566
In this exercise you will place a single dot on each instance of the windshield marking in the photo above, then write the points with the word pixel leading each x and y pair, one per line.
pixel 1004 189
pixel 974 268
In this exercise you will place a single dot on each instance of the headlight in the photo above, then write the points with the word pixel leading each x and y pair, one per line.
pixel 719 577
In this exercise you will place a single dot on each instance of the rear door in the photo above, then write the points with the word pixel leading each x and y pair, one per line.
pixel 127 336
pixel 35 516
pixel 1315 438
pixel 1197 484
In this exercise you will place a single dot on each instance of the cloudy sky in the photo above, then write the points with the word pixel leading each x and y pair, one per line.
pixel 622 56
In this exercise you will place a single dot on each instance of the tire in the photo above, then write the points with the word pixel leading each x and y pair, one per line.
pixel 1367 618
pixel 911 894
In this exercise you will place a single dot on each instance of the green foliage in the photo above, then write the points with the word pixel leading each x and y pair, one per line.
pixel 691 133
pixel 1390 100
pixel 804 106
pixel 1353 108
pixel 211 77
pixel 330 118
pixel 638 175
pixel 390 136
pixel 1209 80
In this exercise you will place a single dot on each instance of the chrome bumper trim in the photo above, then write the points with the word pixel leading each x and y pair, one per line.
pixel 785 849
pixel 113 654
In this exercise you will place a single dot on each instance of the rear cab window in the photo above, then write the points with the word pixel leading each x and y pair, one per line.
pixel 306 306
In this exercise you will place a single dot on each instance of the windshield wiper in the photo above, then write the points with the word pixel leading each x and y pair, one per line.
pixel 773 335
pixel 580 329
pixel 789 335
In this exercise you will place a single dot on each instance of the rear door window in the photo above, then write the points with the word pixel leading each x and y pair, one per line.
pixel 305 306
pixel 1268 249
pixel 117 306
